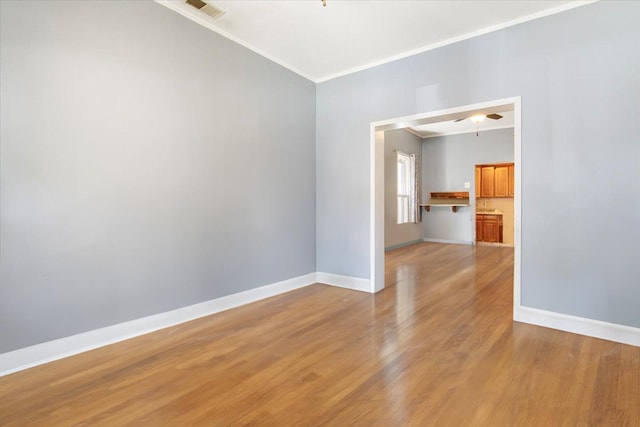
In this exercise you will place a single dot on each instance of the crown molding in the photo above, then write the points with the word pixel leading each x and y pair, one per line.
pixel 196 17
pixel 453 40
pixel 178 7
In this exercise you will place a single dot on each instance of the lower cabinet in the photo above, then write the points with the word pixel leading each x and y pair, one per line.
pixel 489 228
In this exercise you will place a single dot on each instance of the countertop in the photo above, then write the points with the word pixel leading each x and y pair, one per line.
pixel 488 212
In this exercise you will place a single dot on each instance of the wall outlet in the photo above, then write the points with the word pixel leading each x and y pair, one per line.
pixel 467 185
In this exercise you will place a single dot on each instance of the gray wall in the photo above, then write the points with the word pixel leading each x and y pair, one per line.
pixel 397 234
pixel 577 73
pixel 147 164
pixel 447 163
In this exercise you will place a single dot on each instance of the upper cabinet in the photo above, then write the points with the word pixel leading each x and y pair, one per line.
pixel 501 181
pixel 487 181
pixel 494 180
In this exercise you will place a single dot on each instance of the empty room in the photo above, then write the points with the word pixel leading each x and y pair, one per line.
pixel 319 212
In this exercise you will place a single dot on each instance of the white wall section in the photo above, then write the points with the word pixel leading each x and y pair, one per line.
pixel 147 164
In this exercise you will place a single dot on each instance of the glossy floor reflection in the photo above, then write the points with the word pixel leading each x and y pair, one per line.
pixel 437 347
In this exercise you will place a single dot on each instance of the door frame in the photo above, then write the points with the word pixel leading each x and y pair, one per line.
pixel 377 130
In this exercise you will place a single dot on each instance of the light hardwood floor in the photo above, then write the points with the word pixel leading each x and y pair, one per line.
pixel 436 348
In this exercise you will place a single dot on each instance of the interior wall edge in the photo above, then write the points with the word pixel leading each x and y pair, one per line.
pixel 347 282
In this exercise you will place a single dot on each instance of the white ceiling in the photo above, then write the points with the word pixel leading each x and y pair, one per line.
pixel 321 43
pixel 451 127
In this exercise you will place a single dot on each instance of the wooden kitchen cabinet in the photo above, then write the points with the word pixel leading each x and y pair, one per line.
pixel 487 181
pixel 501 181
pixel 494 180
pixel 489 228
pixel 479 229
pixel 511 181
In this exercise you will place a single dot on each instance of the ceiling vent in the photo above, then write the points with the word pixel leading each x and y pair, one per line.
pixel 209 9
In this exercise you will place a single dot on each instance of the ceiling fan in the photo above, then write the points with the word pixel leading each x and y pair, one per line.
pixel 480 117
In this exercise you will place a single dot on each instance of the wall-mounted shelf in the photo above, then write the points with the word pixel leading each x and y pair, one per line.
pixel 452 199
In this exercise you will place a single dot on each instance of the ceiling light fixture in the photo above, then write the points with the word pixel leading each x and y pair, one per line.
pixel 478 118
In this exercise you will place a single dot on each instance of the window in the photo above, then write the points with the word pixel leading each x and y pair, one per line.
pixel 407 190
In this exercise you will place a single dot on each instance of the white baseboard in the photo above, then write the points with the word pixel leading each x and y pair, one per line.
pixel 454 242
pixel 578 325
pixel 39 354
pixel 348 282
pixel 402 245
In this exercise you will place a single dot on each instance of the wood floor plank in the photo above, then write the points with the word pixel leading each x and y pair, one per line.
pixel 437 347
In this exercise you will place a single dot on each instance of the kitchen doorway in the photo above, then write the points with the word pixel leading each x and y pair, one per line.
pixel 494 210
pixel 377 131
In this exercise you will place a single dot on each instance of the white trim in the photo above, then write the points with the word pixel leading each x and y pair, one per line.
pixel 578 325
pixel 347 282
pixel 452 242
pixel 39 354
pixel 517 201
pixel 402 245
pixel 197 17
pixel 457 39
pixel 376 186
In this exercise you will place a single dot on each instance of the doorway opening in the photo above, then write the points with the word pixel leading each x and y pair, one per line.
pixel 377 217
pixel 494 212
